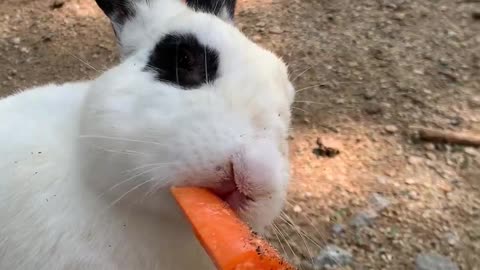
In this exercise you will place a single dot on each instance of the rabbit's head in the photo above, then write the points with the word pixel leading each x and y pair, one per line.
pixel 193 103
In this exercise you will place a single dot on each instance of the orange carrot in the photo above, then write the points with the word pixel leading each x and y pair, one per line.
pixel 228 241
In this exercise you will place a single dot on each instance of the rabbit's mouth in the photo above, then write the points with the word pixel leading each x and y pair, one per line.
pixel 232 190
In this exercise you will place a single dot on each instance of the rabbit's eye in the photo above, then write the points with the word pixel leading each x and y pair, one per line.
pixel 182 60
pixel 185 58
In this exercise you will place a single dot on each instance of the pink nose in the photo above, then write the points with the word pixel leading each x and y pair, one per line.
pixel 254 171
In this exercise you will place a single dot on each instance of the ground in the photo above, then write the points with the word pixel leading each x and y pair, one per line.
pixel 368 73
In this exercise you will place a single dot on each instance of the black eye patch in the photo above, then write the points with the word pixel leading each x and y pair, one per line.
pixel 182 60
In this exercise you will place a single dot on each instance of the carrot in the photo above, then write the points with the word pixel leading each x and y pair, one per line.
pixel 228 241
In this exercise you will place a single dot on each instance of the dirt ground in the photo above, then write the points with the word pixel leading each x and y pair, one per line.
pixel 368 73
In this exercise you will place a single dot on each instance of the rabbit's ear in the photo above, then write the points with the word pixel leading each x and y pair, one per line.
pixel 118 11
pixel 224 9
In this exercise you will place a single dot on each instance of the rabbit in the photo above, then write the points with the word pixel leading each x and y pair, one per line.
pixel 86 167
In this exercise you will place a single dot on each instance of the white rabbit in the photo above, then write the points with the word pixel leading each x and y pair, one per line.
pixel 85 167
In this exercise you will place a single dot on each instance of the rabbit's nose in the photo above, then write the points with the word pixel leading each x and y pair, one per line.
pixel 252 173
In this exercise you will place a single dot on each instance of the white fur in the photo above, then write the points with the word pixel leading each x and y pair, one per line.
pixel 85 167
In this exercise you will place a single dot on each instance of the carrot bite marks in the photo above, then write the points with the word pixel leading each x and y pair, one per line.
pixel 228 241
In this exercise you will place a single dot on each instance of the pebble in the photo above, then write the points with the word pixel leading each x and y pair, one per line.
pixel 276 30
pixel 452 238
pixel 429 146
pixel 297 209
pixel 474 102
pixel 410 181
pixel 391 128
pixel 379 202
pixel 373 108
pixel 382 180
pixel 257 38
pixel 434 261
pixel 399 16
pixel 364 218
pixel 332 256
pixel 16 40
pixel 418 71
pixel 412 195
pixel 338 229
pixel 471 151
pixel 369 94
pixel 352 64
pixel 431 156
pixel 340 101
pixel 24 50
pixel 414 160
pixel 12 72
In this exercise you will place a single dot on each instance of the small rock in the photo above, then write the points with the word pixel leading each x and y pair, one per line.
pixel 382 180
pixel 430 163
pixel 47 37
pixel 474 102
pixel 418 71
pixel 431 156
pixel 471 151
pixel 452 239
pixel 24 50
pixel 429 146
pixel 12 72
pixel 391 128
pixel 434 261
pixel 399 16
pixel 391 173
pixel 297 209
pixel 276 30
pixel 412 195
pixel 332 256
pixel 414 160
pixel 340 101
pixel 16 40
pixel 456 121
pixel 373 108
pixel 379 202
pixel 352 64
pixel 338 229
pixel 410 181
pixel 364 218
pixel 257 38
pixel 369 94
pixel 260 24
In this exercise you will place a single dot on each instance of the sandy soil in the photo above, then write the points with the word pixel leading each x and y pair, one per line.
pixel 368 73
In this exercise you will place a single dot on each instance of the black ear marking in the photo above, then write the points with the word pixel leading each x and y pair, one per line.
pixel 180 59
pixel 215 7
pixel 117 10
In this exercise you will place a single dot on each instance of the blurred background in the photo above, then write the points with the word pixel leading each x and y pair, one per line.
pixel 365 193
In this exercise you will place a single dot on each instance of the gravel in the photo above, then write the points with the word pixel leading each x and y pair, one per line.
pixel 434 261
pixel 331 256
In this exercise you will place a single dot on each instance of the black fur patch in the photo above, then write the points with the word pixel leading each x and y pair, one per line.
pixel 182 60
pixel 117 10
pixel 213 6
